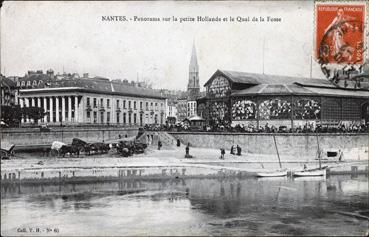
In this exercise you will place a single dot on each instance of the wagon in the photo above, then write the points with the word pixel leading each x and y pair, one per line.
pixel 6 150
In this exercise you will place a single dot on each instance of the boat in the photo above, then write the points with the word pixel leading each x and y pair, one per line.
pixel 321 171
pixel 278 173
pixel 311 172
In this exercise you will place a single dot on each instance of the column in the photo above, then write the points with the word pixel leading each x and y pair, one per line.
pixel 63 108
pixel 57 109
pixel 51 110
pixel 82 111
pixel 45 109
pixel 33 102
pixel 76 109
pixel 26 100
pixel 39 102
pixel 69 109
pixel 21 100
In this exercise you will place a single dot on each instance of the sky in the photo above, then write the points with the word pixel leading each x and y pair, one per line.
pixel 72 36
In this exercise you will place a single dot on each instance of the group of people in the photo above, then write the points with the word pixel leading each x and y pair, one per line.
pixel 309 127
pixel 235 150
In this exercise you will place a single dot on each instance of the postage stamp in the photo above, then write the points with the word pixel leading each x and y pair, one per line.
pixel 340 33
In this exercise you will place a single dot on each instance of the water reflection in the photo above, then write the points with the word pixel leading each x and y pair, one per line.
pixel 338 205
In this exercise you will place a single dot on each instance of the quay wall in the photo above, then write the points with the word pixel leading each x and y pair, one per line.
pixel 23 137
pixel 288 144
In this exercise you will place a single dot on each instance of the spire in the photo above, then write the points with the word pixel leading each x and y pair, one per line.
pixel 193 63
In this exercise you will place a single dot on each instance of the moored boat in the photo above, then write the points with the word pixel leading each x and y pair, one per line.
pixel 311 172
pixel 278 173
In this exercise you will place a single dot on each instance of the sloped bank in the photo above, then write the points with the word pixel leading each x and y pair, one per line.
pixel 28 138
pixel 288 144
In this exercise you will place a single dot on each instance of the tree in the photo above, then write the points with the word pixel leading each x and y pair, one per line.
pixel 11 115
pixel 34 113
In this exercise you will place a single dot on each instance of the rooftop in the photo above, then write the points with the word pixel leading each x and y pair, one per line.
pixel 256 78
pixel 96 85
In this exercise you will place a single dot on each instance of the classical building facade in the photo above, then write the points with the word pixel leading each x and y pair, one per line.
pixel 91 101
pixel 258 99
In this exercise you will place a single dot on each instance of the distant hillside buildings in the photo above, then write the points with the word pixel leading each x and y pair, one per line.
pixel 8 91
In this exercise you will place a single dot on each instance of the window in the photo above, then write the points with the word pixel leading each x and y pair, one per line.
pixel 151 104
pixel 117 104
pixel 129 104
pixel 118 117
pixel 129 118
pixel 95 102
pixel 107 117
pixel 88 114
pixel 124 118
pixel 34 83
pixel 88 101
pixel 147 105
pixel 95 117
pixel 134 105
pixel 101 102
pixel 124 104
pixel 101 117
pixel 108 103
pixel 134 118
pixel 140 104
pixel 28 83
pixel 23 83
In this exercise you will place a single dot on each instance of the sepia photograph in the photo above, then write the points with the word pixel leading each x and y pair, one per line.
pixel 184 118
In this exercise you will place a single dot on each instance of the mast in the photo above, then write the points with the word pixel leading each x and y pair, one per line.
pixel 317 140
pixel 263 52
pixel 276 148
pixel 311 66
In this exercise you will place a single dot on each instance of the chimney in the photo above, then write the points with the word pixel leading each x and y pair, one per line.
pixel 50 73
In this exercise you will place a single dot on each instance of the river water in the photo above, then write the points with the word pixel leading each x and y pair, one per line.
pixel 249 206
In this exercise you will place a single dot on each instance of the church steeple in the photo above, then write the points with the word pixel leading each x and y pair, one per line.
pixel 193 87
pixel 194 67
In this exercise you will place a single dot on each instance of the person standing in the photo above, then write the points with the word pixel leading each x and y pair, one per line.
pixel 222 152
pixel 340 155
pixel 232 152
pixel 159 145
pixel 238 150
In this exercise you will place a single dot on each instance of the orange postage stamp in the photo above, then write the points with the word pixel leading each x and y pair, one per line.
pixel 340 33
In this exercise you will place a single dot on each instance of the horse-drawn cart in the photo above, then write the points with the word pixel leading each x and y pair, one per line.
pixel 6 150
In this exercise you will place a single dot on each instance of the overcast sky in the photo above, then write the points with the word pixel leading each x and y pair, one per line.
pixel 72 35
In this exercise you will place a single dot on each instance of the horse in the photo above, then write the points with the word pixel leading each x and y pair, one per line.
pixel 81 145
pixel 69 149
pixel 100 147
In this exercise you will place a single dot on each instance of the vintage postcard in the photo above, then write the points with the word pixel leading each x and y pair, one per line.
pixel 184 118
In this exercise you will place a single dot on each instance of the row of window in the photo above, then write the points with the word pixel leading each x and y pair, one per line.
pixel 131 119
pixel 118 103
pixel 29 83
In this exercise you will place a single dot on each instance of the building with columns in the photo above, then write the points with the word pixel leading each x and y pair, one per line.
pixel 91 101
